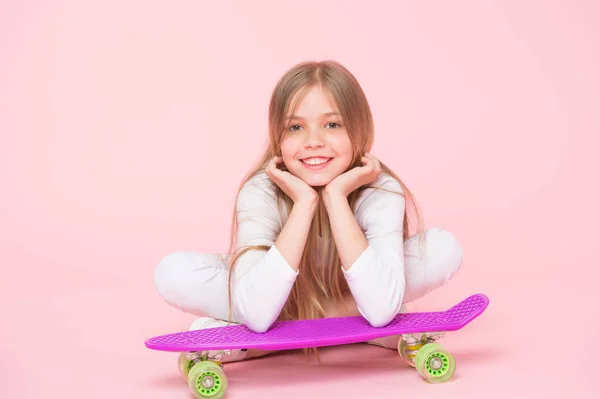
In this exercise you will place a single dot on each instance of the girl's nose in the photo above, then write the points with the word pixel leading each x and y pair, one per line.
pixel 313 139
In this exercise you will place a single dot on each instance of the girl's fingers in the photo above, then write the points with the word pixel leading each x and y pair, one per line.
pixel 371 157
pixel 374 160
pixel 376 163
pixel 274 162
pixel 272 170
pixel 371 165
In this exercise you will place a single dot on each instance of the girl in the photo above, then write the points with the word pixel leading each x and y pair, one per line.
pixel 320 227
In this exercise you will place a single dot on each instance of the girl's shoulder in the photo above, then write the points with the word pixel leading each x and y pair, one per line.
pixel 260 181
pixel 258 199
pixel 258 190
pixel 386 182
pixel 384 189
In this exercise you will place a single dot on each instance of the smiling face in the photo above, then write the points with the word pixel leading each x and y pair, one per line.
pixel 316 147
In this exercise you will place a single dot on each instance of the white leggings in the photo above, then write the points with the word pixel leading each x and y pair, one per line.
pixel 197 283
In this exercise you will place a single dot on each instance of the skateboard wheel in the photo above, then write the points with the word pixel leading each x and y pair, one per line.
pixel 206 379
pixel 434 363
pixel 184 364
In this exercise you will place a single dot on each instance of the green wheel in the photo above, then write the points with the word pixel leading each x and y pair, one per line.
pixel 207 380
pixel 184 364
pixel 434 363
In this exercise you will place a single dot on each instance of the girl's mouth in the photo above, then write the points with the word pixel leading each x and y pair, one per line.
pixel 315 163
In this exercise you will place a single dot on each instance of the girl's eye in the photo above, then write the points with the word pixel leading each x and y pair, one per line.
pixel 330 125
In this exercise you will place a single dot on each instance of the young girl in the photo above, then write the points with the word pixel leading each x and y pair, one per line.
pixel 320 227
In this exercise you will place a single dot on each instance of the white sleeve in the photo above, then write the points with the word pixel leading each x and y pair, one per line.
pixel 376 279
pixel 262 280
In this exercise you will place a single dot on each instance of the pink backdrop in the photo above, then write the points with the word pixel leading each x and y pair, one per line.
pixel 127 126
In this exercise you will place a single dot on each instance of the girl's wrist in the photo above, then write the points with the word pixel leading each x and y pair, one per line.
pixel 308 204
pixel 331 198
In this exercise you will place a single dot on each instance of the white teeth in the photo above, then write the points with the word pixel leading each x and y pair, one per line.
pixel 315 161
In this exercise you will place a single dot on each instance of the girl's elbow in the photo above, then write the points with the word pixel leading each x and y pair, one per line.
pixel 258 325
pixel 381 319
pixel 383 314
pixel 256 319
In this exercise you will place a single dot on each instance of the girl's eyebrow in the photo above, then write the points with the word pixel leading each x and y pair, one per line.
pixel 327 114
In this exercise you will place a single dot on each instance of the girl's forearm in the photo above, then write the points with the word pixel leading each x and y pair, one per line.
pixel 349 238
pixel 292 238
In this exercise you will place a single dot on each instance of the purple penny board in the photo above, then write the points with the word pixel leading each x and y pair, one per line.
pixel 298 334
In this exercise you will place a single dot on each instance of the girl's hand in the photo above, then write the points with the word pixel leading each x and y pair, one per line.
pixel 356 177
pixel 293 186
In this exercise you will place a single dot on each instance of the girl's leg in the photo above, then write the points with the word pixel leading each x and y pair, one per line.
pixel 194 283
pixel 428 266
pixel 197 284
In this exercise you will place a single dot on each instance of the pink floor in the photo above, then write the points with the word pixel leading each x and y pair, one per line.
pixel 81 335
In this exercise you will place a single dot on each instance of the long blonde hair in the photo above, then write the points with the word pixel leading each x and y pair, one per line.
pixel 315 284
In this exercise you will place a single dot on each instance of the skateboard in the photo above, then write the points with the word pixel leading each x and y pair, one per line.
pixel 201 351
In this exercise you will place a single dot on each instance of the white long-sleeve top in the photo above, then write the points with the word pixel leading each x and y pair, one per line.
pixel 264 279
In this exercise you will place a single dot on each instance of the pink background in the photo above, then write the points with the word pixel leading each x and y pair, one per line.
pixel 127 126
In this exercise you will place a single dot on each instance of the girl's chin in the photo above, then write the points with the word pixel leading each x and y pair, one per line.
pixel 316 178
pixel 317 181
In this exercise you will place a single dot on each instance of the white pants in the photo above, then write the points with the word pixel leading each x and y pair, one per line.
pixel 197 283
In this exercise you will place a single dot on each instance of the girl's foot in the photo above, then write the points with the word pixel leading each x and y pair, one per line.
pixel 202 323
pixel 235 355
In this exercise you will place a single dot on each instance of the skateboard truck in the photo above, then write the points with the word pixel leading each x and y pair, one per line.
pixel 215 356
pixel 409 344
